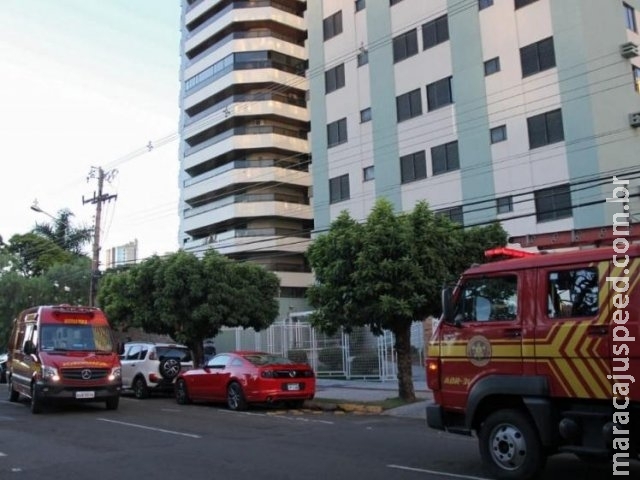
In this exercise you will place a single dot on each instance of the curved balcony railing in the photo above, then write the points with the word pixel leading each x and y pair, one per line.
pixel 239 164
pixel 243 198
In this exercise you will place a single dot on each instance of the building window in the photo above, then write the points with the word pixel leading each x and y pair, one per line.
pixel 636 78
pixel 537 57
pixel 482 4
pixel 337 132
pixel 630 17
pixel 360 4
pixel 545 129
pixel 454 214
pixel 405 45
pixel 332 26
pixel 523 3
pixel 439 94
pixel 339 188
pixel 365 115
pixel 498 134
pixel 492 66
pixel 368 173
pixel 334 78
pixel 413 167
pixel 504 204
pixel 444 158
pixel 363 57
pixel 435 32
pixel 553 203
pixel 409 105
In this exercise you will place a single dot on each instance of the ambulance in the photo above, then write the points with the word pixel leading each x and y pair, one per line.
pixel 538 353
pixel 63 353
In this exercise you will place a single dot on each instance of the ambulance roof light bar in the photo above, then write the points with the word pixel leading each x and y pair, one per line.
pixel 500 253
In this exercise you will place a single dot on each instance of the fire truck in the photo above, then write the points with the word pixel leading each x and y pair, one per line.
pixel 538 352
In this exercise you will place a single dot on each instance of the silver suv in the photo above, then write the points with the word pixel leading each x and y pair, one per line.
pixel 153 367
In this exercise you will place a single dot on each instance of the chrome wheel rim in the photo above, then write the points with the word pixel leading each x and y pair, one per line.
pixel 508 447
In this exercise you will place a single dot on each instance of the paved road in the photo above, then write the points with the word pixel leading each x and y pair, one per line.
pixel 158 439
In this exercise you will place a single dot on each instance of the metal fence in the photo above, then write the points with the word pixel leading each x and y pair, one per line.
pixel 359 354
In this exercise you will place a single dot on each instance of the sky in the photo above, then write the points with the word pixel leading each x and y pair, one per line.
pixel 87 84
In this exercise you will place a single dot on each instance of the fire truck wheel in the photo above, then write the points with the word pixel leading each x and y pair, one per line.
pixel 510 447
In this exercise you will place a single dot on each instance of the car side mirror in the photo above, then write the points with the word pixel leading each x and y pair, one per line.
pixel 447 310
pixel 120 348
pixel 29 348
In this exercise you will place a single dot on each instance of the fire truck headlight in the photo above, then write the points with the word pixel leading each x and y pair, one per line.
pixel 115 374
pixel 50 374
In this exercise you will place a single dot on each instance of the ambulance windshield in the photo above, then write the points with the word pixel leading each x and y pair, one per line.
pixel 76 338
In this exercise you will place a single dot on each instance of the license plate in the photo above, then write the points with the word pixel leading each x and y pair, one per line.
pixel 293 386
pixel 85 394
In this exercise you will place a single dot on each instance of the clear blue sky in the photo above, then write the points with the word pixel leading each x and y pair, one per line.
pixel 88 83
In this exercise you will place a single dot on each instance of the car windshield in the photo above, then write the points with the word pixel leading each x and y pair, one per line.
pixel 76 337
pixel 267 359
pixel 182 354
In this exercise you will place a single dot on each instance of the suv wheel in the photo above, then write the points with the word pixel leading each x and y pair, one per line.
pixel 169 368
pixel 36 401
pixel 140 389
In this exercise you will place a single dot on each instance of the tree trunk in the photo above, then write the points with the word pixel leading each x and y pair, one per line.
pixel 403 351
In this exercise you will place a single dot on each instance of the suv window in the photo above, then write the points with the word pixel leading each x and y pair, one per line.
pixel 182 354
pixel 133 353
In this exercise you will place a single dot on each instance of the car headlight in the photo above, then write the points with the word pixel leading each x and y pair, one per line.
pixel 115 374
pixel 50 373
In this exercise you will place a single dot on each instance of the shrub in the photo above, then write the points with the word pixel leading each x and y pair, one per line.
pixel 331 357
pixel 298 356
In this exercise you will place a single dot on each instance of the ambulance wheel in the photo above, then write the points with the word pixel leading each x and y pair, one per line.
pixel 510 447
pixel 36 401
pixel 13 394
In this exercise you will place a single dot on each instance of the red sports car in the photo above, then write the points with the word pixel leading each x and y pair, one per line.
pixel 241 378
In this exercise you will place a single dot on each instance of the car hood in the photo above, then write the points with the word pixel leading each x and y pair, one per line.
pixel 79 360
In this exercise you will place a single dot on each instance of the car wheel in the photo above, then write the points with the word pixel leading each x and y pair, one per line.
pixel 140 389
pixel 36 401
pixel 112 403
pixel 235 397
pixel 182 396
pixel 13 394
pixel 510 447
pixel 169 368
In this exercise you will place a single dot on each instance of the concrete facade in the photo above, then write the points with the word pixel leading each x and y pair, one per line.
pixel 588 85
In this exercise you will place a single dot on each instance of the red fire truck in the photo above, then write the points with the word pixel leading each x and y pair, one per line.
pixel 539 353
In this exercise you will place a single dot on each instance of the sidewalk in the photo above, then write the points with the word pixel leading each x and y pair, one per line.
pixel 374 391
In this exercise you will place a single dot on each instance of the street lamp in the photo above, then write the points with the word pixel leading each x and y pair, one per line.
pixel 36 208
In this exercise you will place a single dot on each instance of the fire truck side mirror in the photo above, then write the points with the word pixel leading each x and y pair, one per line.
pixel 447 311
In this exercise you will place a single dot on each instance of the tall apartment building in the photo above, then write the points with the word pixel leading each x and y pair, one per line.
pixel 244 154
pixel 517 110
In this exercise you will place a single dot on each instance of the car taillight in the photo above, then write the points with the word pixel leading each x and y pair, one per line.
pixel 154 378
pixel 433 373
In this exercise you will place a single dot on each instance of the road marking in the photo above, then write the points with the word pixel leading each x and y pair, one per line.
pixel 435 472
pixel 145 427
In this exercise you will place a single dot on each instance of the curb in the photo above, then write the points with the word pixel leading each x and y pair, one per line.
pixel 343 407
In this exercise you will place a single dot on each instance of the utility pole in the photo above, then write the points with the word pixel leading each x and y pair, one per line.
pixel 97 199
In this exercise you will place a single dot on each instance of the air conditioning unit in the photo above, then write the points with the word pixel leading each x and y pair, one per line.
pixel 634 119
pixel 629 50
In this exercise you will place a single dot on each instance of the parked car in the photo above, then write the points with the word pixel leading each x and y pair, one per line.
pixel 243 378
pixel 3 367
pixel 153 367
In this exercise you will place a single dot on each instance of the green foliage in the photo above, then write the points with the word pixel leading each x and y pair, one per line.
pixel 34 254
pixel 388 272
pixel 62 233
pixel 190 299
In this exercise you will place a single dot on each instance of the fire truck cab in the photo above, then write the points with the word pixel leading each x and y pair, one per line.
pixel 538 355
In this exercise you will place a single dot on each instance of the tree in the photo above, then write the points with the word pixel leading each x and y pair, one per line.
pixel 388 272
pixel 34 254
pixel 190 299
pixel 61 232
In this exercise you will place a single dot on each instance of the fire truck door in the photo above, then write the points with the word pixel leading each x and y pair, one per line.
pixel 485 336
